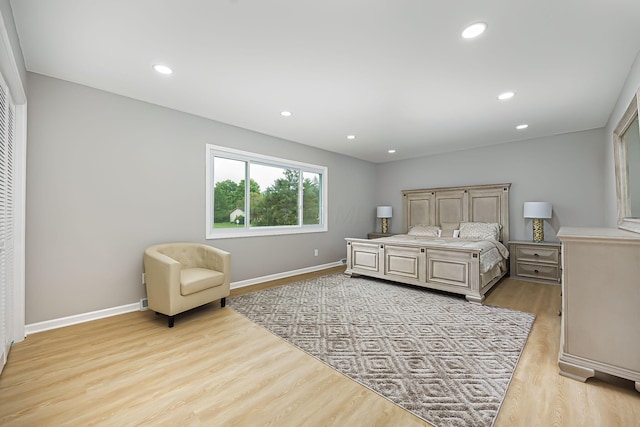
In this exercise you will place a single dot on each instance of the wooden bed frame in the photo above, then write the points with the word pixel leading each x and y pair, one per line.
pixel 454 270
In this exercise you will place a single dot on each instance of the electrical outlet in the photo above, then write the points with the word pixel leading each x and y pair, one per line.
pixel 144 279
pixel 315 252
pixel 144 304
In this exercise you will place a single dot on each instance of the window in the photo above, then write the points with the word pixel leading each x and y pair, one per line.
pixel 252 195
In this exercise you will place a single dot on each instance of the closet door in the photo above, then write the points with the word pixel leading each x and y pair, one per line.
pixel 7 140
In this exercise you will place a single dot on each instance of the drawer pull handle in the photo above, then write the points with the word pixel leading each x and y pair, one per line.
pixel 536 271
pixel 536 255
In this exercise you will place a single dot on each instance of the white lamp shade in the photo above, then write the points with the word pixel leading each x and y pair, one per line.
pixel 385 211
pixel 540 210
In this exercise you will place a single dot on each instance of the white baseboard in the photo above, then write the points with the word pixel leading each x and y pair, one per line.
pixel 255 281
pixel 80 318
pixel 128 308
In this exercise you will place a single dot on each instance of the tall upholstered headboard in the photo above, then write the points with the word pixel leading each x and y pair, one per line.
pixel 445 205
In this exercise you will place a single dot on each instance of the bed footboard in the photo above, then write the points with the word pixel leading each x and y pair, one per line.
pixel 451 270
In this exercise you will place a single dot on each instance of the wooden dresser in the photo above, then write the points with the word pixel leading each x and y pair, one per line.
pixel 601 303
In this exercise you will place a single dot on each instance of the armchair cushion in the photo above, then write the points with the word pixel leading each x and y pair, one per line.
pixel 196 279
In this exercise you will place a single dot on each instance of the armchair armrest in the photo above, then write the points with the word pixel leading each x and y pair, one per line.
pixel 162 276
pixel 219 260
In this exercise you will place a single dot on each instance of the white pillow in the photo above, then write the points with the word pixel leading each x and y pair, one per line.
pixel 480 230
pixel 424 231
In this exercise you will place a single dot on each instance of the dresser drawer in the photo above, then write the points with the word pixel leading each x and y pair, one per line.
pixel 538 271
pixel 537 254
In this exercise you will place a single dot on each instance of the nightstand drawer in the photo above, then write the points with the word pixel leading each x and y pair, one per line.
pixel 537 254
pixel 538 271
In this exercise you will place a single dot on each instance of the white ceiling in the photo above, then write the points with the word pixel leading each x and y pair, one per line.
pixel 395 73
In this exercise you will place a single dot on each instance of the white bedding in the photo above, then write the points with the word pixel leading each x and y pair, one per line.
pixel 492 251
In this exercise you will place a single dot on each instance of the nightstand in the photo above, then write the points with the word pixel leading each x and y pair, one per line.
pixel 535 262
pixel 378 235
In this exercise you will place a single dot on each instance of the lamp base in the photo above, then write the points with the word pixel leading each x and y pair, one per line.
pixel 538 230
pixel 385 225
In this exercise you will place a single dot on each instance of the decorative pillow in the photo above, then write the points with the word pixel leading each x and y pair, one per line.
pixel 480 230
pixel 448 227
pixel 422 230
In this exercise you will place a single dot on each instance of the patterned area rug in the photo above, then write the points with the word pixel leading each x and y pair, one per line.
pixel 438 356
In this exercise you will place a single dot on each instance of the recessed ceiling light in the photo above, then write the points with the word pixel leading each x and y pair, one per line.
pixel 285 113
pixel 506 95
pixel 351 137
pixel 474 30
pixel 522 126
pixel 391 151
pixel 163 69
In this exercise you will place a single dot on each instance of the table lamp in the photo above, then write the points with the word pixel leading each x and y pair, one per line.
pixel 538 211
pixel 385 212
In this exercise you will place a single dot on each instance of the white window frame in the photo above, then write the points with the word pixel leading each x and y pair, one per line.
pixel 213 151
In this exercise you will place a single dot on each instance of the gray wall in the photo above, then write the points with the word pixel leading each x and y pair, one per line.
pixel 565 170
pixel 108 176
pixel 631 85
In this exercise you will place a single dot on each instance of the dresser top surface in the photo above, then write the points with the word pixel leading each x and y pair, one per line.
pixel 596 233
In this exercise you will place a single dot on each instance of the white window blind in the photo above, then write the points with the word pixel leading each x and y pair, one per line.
pixel 7 144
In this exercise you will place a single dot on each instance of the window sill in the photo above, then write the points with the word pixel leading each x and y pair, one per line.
pixel 267 231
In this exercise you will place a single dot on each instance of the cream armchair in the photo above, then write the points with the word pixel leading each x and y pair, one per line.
pixel 182 276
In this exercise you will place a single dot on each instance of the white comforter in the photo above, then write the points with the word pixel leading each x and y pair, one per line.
pixel 492 251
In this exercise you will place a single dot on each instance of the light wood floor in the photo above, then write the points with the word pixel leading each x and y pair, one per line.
pixel 217 368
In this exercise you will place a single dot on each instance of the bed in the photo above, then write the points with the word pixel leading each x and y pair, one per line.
pixel 470 264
